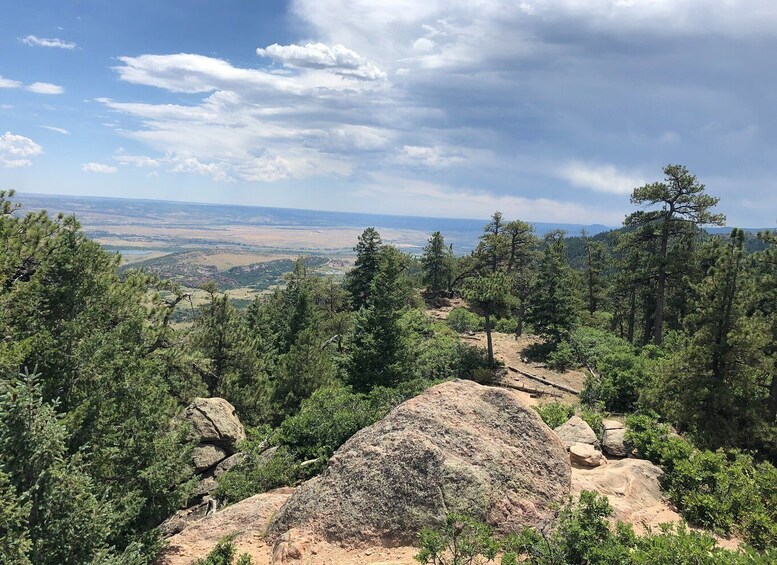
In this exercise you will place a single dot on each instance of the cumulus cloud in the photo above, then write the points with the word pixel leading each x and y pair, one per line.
pixel 338 58
pixel 35 41
pixel 8 83
pixel 493 100
pixel 16 150
pixel 45 88
pixel 600 178
pixel 139 161
pixel 63 131
pixel 98 168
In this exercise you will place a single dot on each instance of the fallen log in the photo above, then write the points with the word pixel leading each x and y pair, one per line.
pixel 530 390
pixel 544 381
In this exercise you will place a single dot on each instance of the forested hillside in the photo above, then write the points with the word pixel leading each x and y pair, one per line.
pixel 675 329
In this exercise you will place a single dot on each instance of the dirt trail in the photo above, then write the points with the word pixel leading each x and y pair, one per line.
pixel 509 350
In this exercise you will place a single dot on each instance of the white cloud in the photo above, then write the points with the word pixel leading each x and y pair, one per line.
pixel 63 131
pixel 338 58
pixel 8 83
pixel 35 41
pixel 140 161
pixel 98 168
pixel 433 157
pixel 15 150
pixel 399 194
pixel 45 88
pixel 600 178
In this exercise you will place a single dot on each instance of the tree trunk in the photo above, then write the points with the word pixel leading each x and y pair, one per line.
pixel 488 337
pixel 521 310
pixel 658 319
pixel 773 399
pixel 632 314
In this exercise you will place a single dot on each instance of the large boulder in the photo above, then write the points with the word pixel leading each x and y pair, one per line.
pixel 575 430
pixel 214 421
pixel 458 447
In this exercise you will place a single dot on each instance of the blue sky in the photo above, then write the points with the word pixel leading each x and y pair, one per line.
pixel 549 110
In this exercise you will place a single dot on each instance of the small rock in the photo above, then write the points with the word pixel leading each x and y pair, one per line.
pixel 206 456
pixel 613 442
pixel 609 424
pixel 575 430
pixel 586 455
pixel 288 548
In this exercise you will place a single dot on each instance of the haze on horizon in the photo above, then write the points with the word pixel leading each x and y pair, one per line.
pixel 548 110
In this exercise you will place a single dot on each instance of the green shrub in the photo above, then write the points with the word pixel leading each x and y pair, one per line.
pixel 562 357
pixel 621 370
pixel 224 554
pixel 462 320
pixel 506 325
pixel 257 474
pixel 460 541
pixel 726 491
pixel 582 535
pixel 555 413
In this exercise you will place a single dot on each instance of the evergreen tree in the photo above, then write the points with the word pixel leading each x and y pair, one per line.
pixel 359 279
pixel 552 310
pixel 489 294
pixel 55 507
pixel 378 354
pixel 715 385
pixel 437 264
pixel 595 267
pixel 520 264
pixel 684 206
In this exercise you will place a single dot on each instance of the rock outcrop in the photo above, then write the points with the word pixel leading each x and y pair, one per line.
pixel 458 447
pixel 575 430
pixel 214 421
pixel 217 429
pixel 633 488
pixel 613 441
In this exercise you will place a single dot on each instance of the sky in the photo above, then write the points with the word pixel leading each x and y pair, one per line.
pixel 547 110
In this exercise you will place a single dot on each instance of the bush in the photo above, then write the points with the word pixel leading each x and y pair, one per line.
pixel 224 554
pixel 555 413
pixel 506 325
pixel 561 358
pixel 622 370
pixel 583 535
pixel 461 540
pixel 726 491
pixel 257 474
pixel 462 320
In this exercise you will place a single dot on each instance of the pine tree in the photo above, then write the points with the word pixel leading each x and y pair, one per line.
pixel 552 310
pixel 715 386
pixel 684 206
pixel 489 294
pixel 522 244
pixel 437 264
pixel 359 279
pixel 595 267
pixel 378 354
